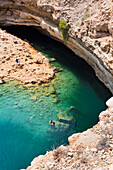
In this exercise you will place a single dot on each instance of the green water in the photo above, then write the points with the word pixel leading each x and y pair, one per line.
pixel 25 112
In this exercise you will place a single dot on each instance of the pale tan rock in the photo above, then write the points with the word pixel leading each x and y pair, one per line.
pixel 111 167
pixel 87 138
pixel 73 138
pixel 109 103
pixel 23 70
pixel 110 26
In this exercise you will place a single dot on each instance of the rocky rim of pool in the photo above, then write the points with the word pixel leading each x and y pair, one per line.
pixel 94 147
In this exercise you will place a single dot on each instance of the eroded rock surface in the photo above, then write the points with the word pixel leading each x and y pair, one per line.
pixel 18 60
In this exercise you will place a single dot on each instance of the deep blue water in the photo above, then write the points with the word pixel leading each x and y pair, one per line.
pixel 25 112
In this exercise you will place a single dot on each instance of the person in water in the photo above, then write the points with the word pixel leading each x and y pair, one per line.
pixel 52 123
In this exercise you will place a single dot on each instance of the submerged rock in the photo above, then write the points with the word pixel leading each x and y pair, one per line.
pixel 1 94
pixel 72 108
pixel 33 98
pixel 63 117
pixel 56 69
pixel 60 69
pixel 53 92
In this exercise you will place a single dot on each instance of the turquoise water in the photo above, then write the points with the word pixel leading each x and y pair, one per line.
pixel 25 112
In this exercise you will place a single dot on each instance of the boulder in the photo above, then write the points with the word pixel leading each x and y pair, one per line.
pixel 109 102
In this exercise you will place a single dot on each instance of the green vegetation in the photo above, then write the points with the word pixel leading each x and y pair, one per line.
pixel 59 3
pixel 85 16
pixel 87 9
pixel 63 26
pixel 98 7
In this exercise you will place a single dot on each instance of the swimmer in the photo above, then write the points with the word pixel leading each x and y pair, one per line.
pixel 51 123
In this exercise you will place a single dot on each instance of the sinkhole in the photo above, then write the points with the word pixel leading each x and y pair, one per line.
pixel 25 113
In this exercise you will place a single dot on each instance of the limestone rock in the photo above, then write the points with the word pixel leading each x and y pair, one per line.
pixel 22 68
pixel 109 103
pixel 110 26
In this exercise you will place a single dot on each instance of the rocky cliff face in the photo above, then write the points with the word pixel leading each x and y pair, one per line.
pixel 89 33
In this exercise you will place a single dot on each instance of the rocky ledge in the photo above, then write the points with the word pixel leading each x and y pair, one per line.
pixel 18 60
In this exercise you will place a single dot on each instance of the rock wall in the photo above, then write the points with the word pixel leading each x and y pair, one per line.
pixel 90 27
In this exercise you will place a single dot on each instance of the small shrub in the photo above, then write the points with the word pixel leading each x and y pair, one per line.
pixel 85 16
pixel 63 26
pixel 55 13
pixel 59 3
pixel 98 7
pixel 87 9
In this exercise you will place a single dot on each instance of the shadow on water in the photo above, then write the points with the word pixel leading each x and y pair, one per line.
pixel 64 56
